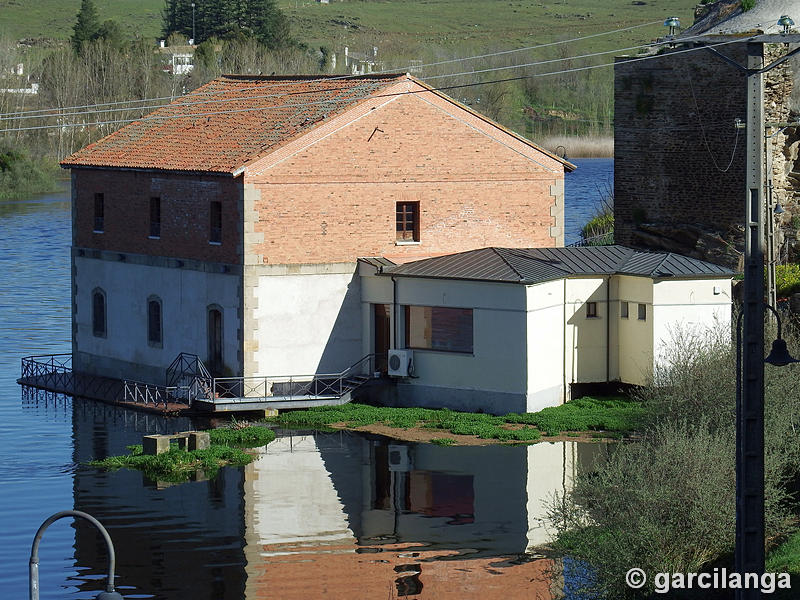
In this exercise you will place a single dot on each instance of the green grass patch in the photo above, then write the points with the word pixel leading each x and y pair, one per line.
pixel 613 416
pixel 610 414
pixel 786 557
pixel 177 465
pixel 443 441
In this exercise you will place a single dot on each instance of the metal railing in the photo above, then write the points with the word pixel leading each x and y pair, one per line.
pixel 49 371
pixel 604 239
pixel 146 393
pixel 291 387
pixel 190 381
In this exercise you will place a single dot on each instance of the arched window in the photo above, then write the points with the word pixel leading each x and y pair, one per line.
pixel 154 321
pixel 98 312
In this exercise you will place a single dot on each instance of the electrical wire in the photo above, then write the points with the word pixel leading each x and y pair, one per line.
pixel 322 102
pixel 703 131
pixel 25 114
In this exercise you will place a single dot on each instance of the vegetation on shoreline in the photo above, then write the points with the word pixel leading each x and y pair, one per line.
pixel 22 175
pixel 579 146
pixel 608 417
pixel 178 465
pixel 667 502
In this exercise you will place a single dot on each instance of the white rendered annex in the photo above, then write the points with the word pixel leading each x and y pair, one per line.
pixel 514 330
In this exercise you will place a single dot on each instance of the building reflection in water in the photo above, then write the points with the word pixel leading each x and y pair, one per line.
pixel 344 515
pixel 338 515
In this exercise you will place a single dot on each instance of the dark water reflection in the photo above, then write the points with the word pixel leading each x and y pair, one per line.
pixel 316 516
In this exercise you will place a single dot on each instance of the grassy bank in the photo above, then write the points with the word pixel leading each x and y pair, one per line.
pixel 22 175
pixel 600 417
pixel 579 146
pixel 177 465
pixel 786 557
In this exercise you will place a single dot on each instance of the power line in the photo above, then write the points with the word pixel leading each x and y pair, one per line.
pixel 290 83
pixel 385 71
pixel 20 115
pixel 322 102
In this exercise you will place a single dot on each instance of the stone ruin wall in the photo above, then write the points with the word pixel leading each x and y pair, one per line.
pixel 678 184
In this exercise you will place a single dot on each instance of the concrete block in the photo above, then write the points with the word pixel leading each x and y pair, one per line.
pixel 155 444
pixel 199 440
pixel 183 442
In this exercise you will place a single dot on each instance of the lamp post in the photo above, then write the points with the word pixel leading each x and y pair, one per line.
pixel 749 552
pixel 193 38
pixel 33 565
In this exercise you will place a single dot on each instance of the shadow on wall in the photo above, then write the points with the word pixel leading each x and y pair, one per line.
pixel 343 347
pixel 587 339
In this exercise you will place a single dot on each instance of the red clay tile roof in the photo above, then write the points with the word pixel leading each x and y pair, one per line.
pixel 215 128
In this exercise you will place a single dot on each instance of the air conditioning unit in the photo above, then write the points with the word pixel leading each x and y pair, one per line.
pixel 401 363
pixel 399 458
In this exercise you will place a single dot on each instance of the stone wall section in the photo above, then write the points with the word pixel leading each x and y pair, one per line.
pixel 679 169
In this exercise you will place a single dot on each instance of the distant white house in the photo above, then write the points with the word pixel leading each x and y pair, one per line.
pixel 178 60
pixel 514 330
pixel 361 63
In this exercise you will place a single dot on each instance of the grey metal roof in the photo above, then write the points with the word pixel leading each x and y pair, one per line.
pixel 534 265
pixel 376 261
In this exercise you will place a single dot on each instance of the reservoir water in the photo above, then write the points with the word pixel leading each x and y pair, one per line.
pixel 315 516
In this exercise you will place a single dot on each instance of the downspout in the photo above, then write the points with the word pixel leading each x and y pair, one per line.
pixel 394 313
pixel 564 341
pixel 608 329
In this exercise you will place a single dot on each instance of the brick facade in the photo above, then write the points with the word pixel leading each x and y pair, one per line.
pixel 332 197
pixel 679 168
pixel 185 204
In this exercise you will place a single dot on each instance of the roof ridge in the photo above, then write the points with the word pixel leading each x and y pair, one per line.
pixel 496 250
pixel 629 254
pixel 661 262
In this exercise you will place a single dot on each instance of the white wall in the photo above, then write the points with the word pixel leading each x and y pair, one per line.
pixel 185 296
pixel 306 323
pixel 498 361
pixel 545 338
pixel 689 306
pixel 635 336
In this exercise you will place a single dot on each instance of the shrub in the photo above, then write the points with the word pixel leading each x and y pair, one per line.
pixel 787 279
pixel 667 503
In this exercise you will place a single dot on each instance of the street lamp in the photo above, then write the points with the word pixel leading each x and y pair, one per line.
pixel 749 552
pixel 673 23
pixel 193 38
pixel 33 565
pixel 785 22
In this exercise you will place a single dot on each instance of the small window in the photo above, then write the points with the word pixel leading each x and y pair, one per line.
pixel 591 310
pixel 154 321
pixel 99 213
pixel 98 313
pixel 643 312
pixel 155 217
pixel 623 310
pixel 215 223
pixel 439 328
pixel 408 221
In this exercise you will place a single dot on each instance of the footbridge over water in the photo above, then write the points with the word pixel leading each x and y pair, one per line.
pixel 190 387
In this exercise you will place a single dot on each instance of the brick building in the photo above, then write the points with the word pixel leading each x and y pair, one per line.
pixel 229 222
pixel 679 168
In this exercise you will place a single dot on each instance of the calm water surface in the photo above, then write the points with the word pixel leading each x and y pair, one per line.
pixel 315 516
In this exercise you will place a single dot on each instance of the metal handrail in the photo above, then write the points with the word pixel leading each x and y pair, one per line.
pixel 290 386
pixel 45 364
